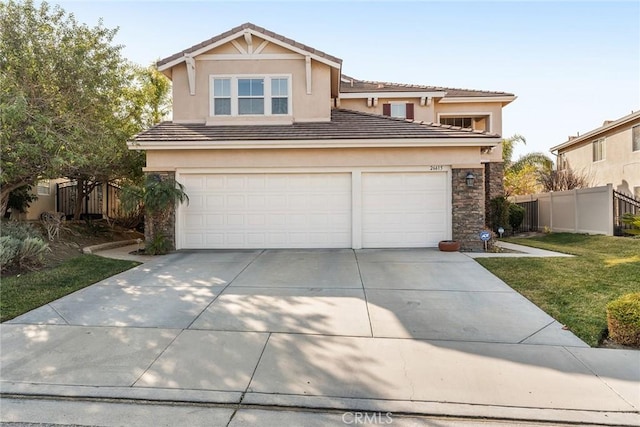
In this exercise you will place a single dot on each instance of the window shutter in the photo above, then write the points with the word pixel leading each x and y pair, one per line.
pixel 386 109
pixel 409 111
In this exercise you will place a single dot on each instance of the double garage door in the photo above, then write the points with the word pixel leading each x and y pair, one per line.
pixel 314 210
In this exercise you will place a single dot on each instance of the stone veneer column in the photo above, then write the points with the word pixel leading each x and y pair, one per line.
pixel 468 208
pixel 493 185
pixel 168 227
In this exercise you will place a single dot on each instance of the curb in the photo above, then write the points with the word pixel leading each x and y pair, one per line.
pixel 109 245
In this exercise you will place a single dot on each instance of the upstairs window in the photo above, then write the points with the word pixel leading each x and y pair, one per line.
pixel 598 149
pixel 250 95
pixel 222 97
pixel 279 96
pixel 399 110
pixel 636 138
pixel 462 122
pixel 562 161
pixel 480 121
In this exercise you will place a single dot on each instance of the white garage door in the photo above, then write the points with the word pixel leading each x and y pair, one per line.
pixel 404 209
pixel 287 210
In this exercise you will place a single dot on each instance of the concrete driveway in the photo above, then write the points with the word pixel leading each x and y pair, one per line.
pixel 416 331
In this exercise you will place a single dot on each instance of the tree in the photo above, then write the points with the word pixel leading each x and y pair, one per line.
pixel 521 176
pixel 561 180
pixel 69 101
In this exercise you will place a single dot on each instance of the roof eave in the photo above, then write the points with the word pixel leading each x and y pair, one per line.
pixel 591 134
pixel 316 143
pixel 504 99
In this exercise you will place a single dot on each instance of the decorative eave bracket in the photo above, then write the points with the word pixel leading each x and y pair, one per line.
pixel 191 73
pixel 307 63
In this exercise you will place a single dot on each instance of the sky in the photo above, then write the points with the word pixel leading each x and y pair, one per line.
pixel 572 64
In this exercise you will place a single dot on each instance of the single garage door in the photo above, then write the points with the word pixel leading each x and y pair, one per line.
pixel 404 209
pixel 286 210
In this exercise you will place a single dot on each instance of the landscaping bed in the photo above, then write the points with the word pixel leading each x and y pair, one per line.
pixel 575 291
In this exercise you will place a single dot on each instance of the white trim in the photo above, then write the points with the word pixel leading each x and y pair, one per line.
pixel 249 57
pixel 482 98
pixel 303 52
pixel 249 40
pixel 197 52
pixel 239 47
pixel 356 209
pixel 471 114
pixel 386 95
pixel 331 143
pixel 261 47
pixel 356 189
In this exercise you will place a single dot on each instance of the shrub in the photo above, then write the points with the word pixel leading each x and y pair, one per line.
pixel 31 251
pixel 516 216
pixel 499 214
pixel 9 247
pixel 21 245
pixel 633 221
pixel 159 245
pixel 623 319
pixel 19 230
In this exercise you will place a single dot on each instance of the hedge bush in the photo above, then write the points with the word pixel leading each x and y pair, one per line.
pixel 623 319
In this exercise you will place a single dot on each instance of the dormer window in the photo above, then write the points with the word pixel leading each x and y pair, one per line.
pixel 250 95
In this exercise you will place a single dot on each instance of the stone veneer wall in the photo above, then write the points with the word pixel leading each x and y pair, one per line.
pixel 468 216
pixel 167 228
pixel 493 185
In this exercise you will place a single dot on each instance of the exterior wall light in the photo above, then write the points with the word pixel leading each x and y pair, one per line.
pixel 469 179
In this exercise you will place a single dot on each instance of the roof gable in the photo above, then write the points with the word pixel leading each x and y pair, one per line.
pixel 247 31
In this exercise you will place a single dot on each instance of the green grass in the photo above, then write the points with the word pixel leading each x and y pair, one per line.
pixel 575 291
pixel 19 294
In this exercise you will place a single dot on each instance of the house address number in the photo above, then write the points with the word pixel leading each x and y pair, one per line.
pixel 436 167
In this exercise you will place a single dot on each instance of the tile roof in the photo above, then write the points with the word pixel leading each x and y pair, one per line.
pixel 344 124
pixel 256 28
pixel 356 85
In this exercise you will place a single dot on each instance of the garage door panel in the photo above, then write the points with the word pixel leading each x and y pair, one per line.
pixel 266 210
pixel 404 209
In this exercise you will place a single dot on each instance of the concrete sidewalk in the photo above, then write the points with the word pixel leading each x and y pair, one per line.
pixel 400 331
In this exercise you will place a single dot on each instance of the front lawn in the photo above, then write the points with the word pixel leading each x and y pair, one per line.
pixel 22 293
pixel 575 291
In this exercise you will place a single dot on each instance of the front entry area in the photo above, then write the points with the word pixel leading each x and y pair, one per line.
pixel 341 209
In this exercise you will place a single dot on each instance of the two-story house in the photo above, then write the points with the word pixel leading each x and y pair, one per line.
pixel 609 154
pixel 277 149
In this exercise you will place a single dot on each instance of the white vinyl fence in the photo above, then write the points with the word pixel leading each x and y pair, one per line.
pixel 588 210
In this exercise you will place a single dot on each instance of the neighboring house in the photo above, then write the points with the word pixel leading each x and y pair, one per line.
pixel 609 154
pixel 278 149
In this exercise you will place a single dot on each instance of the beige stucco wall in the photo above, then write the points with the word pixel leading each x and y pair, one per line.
pixel 305 107
pixel 168 160
pixel 620 167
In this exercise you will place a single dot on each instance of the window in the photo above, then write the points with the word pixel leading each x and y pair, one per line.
pixel 250 95
pixel 598 150
pixel 562 161
pixel 463 122
pixel 279 96
pixel 399 110
pixel 44 187
pixel 222 97
pixel 636 138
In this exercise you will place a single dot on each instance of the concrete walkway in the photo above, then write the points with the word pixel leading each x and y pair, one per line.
pixel 400 331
